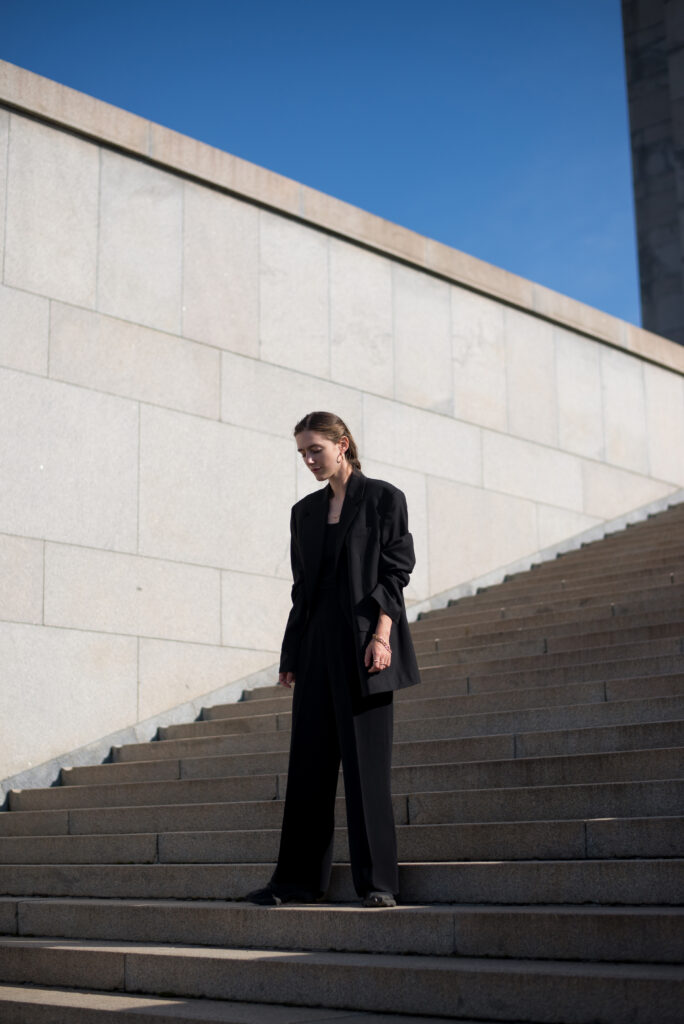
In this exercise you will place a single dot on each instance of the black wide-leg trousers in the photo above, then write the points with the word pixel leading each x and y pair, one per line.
pixel 332 721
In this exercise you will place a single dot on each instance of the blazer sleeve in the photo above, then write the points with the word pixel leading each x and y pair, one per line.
pixel 289 651
pixel 397 557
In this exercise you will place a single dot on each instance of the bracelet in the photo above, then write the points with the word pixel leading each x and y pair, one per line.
pixel 381 641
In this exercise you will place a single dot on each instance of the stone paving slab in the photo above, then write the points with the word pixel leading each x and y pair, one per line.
pixel 628 934
pixel 22 1004
pixel 587 992
pixel 652 881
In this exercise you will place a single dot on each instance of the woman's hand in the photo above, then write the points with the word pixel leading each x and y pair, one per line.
pixel 377 657
pixel 286 679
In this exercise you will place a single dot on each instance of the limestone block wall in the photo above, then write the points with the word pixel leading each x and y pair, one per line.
pixel 167 313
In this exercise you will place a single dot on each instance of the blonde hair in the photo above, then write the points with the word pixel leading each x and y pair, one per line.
pixel 332 427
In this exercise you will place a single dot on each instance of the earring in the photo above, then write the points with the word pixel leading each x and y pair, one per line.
pixel 339 458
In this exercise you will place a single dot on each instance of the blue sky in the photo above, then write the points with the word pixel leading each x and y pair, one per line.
pixel 499 127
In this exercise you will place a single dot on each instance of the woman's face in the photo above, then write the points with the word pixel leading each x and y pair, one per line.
pixel 320 454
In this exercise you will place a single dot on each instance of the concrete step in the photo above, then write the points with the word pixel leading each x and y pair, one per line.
pixel 638 881
pixel 435 685
pixel 474 841
pixel 482 841
pixel 575 596
pixel 471 692
pixel 411 703
pixel 549 644
pixel 247 706
pixel 457 652
pixel 242 759
pixel 281 694
pixel 476 736
pixel 593 578
pixel 430 707
pixel 504 630
pixel 637 837
pixel 454 657
pixel 410 698
pixel 636 764
pixel 648 552
pixel 663 554
pixel 621 766
pixel 486 661
pixel 596 570
pixel 539 803
pixel 597 740
pixel 667 544
pixel 577 716
pixel 584 993
pixel 632 602
pixel 556 932
pixel 478 682
pixel 146 834
pixel 667 555
pixel 470 723
pixel 32 1004
pixel 601 615
pixel 265 692
pixel 226 726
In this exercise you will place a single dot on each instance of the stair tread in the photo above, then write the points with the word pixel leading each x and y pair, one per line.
pixel 181 1010
pixel 206 768
pixel 486 965
pixel 640 880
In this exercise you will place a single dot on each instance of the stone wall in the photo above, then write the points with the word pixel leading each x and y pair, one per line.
pixel 167 313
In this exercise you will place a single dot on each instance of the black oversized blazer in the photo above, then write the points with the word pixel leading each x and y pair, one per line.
pixel 373 557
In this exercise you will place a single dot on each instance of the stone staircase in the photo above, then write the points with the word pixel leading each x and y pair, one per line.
pixel 539 798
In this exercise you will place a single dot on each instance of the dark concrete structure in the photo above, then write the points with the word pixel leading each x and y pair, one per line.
pixel 654 52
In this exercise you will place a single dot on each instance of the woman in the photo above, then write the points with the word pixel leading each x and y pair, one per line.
pixel 347 645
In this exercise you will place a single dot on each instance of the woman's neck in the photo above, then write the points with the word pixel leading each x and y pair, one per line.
pixel 339 480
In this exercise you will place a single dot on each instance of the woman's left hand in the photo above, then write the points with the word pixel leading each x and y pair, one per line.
pixel 376 657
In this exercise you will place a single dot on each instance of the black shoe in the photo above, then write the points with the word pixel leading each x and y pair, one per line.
pixel 272 896
pixel 379 899
pixel 263 897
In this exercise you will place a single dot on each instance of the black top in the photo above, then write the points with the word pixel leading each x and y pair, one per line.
pixel 326 579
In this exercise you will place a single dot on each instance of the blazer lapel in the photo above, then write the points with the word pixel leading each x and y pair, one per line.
pixel 356 486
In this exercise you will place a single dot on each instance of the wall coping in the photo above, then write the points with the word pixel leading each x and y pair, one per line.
pixel 25 92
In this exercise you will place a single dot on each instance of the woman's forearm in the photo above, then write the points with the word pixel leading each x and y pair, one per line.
pixel 384 625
